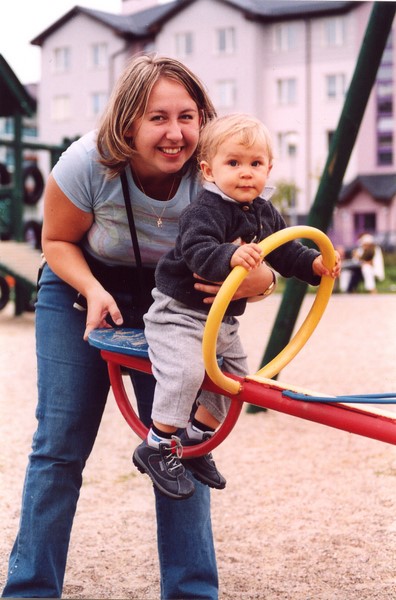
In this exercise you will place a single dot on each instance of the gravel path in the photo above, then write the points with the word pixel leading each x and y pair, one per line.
pixel 309 512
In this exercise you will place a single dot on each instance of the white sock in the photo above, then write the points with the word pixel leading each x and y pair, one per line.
pixel 154 440
pixel 193 433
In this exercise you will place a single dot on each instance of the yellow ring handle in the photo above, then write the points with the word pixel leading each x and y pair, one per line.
pixel 231 285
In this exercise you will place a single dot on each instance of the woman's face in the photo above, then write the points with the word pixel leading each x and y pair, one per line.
pixel 167 135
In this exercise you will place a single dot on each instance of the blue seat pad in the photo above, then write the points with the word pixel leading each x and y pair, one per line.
pixel 122 340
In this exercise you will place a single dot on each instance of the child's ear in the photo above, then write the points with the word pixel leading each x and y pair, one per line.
pixel 206 171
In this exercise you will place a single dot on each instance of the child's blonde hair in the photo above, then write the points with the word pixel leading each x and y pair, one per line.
pixel 246 129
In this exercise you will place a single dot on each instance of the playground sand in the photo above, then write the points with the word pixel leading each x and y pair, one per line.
pixel 309 512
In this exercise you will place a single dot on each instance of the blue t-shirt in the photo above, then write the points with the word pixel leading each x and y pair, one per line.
pixel 83 180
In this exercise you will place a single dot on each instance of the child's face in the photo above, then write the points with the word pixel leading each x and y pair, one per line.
pixel 239 172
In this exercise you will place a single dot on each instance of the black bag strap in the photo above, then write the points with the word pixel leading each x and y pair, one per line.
pixel 132 229
pixel 131 220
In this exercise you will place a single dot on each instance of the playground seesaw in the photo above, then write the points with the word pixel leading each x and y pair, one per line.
pixel 127 348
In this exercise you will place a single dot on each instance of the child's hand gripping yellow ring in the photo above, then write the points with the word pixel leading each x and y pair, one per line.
pixel 232 283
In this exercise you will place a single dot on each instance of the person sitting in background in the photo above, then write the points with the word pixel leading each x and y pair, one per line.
pixel 368 265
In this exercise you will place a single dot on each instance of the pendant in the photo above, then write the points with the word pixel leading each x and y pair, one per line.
pixel 159 222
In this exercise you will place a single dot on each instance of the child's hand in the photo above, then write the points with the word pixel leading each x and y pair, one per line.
pixel 320 269
pixel 247 256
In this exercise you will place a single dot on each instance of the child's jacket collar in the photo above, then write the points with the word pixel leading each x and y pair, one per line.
pixel 266 194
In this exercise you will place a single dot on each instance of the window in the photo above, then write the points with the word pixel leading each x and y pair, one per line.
pixel 184 44
pixel 334 31
pixel 385 72
pixel 385 148
pixel 98 59
pixel 285 37
pixel 226 93
pixel 226 43
pixel 385 117
pixel 9 126
pixel 62 59
pixel 286 91
pixel 29 130
pixel 287 144
pixel 385 124
pixel 61 108
pixel 384 88
pixel 385 106
pixel 98 103
pixel 364 222
pixel 335 86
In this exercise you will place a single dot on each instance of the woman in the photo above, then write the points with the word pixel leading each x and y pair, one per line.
pixel 140 162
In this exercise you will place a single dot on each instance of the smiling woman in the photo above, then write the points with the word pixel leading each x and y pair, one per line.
pixel 164 138
pixel 88 246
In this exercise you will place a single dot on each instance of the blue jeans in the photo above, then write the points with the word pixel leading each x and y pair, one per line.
pixel 73 386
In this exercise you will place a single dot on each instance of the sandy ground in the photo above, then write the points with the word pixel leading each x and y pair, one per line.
pixel 309 512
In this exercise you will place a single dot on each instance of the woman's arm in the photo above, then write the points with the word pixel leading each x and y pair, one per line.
pixel 64 226
pixel 259 280
pixel 254 284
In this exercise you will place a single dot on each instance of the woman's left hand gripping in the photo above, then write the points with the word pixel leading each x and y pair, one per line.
pixel 99 306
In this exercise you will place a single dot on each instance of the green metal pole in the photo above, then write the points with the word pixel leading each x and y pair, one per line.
pixel 369 59
pixel 17 191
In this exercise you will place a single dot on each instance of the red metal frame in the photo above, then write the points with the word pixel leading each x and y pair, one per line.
pixel 350 418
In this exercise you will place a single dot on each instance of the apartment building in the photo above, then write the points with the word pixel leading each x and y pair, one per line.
pixel 287 62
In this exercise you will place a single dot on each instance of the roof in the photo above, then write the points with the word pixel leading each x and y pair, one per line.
pixel 135 25
pixel 149 21
pixel 14 97
pixel 273 10
pixel 381 187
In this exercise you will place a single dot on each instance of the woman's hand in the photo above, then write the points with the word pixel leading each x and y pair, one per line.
pixel 100 304
pixel 254 284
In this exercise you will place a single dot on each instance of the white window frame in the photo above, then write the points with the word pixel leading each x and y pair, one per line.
pixel 286 91
pixel 225 40
pixel 184 43
pixel 288 144
pixel 335 86
pixel 61 108
pixel 97 103
pixel 62 59
pixel 385 124
pixel 98 55
pixel 334 32
pixel 226 93
pixel 384 89
pixel 285 37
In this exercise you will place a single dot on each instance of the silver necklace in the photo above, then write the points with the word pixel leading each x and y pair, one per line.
pixel 158 217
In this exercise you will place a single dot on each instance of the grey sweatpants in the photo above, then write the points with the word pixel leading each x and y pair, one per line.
pixel 174 334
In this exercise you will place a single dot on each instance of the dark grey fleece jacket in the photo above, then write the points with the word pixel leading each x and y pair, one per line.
pixel 207 229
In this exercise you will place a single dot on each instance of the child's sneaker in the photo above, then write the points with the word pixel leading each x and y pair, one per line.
pixel 203 467
pixel 165 469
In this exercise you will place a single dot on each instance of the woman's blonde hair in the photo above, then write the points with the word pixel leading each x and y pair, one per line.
pixel 128 103
pixel 246 129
